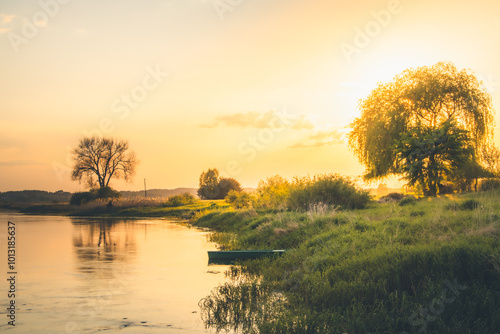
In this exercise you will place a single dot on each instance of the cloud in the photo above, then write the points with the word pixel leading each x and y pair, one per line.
pixel 302 123
pixel 254 119
pixel 250 119
pixel 17 163
pixel 322 138
pixel 4 30
pixel 4 18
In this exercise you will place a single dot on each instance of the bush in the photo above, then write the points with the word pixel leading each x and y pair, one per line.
pixel 392 197
pixel 470 204
pixel 105 192
pixel 490 184
pixel 329 189
pixel 239 199
pixel 180 200
pixel 80 198
pixel 272 193
pixel 408 200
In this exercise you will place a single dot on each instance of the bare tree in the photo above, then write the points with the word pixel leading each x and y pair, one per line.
pixel 103 158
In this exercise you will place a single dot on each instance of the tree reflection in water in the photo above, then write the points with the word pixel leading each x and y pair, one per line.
pixel 103 240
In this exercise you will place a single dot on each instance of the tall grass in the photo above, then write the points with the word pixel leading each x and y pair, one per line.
pixel 430 267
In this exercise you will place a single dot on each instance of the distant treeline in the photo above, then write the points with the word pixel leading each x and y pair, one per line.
pixel 40 196
pixel 35 196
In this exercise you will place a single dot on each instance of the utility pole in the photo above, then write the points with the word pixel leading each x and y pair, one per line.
pixel 145 192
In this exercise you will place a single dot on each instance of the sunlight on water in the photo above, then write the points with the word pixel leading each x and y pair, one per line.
pixel 79 275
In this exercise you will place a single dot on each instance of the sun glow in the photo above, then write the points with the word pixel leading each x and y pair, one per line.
pixel 62 82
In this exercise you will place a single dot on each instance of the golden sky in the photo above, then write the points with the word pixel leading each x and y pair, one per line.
pixel 253 88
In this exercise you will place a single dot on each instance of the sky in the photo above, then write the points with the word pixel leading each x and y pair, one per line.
pixel 253 88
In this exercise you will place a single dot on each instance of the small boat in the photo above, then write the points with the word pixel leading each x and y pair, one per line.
pixel 228 256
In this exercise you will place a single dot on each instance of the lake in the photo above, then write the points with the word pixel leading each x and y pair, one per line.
pixel 86 275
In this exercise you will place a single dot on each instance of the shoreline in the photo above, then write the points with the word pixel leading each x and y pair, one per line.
pixel 363 270
pixel 181 212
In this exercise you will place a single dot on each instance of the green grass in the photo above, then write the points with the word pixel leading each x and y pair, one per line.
pixel 189 211
pixel 126 209
pixel 429 267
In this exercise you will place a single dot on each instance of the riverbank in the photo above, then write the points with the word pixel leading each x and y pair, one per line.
pixel 119 209
pixel 429 265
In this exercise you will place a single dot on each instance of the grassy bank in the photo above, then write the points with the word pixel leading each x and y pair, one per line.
pixel 183 211
pixel 124 208
pixel 426 266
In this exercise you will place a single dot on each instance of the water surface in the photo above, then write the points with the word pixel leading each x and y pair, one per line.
pixel 90 275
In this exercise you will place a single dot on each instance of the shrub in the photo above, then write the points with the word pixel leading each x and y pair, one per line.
pixel 470 204
pixel 408 200
pixel 273 193
pixel 329 189
pixel 106 192
pixel 180 200
pixel 392 197
pixel 80 198
pixel 239 199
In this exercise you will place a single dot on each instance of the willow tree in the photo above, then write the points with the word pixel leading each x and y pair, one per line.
pixel 427 156
pixel 98 160
pixel 424 98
